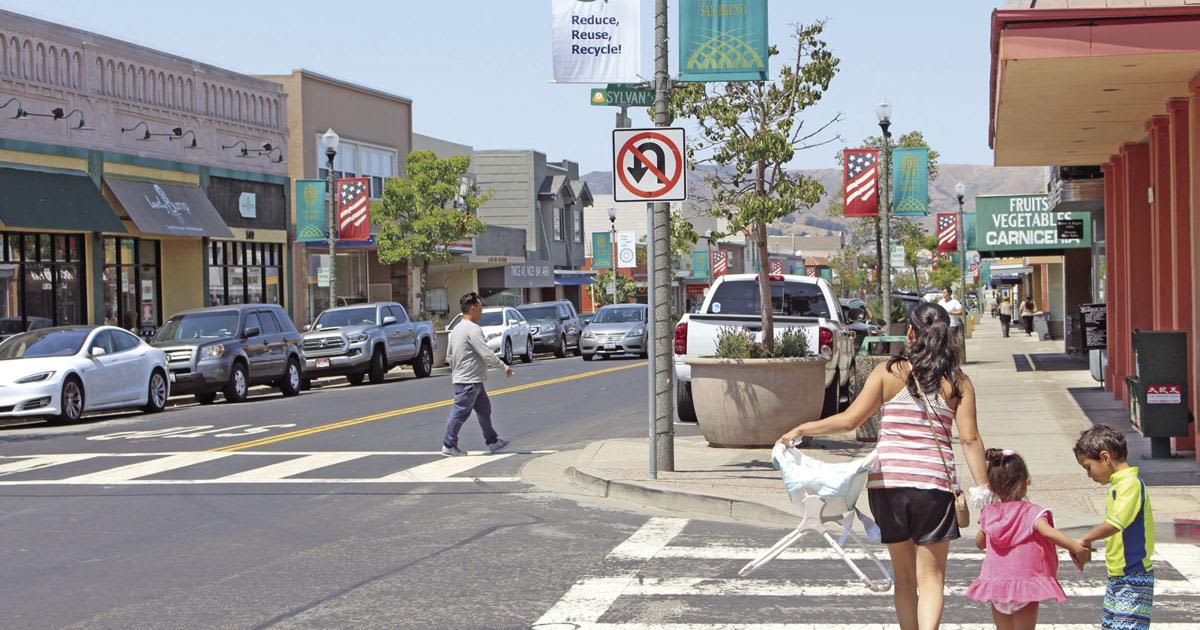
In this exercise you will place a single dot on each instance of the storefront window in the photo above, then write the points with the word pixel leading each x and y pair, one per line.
pixel 40 281
pixel 132 292
pixel 352 279
pixel 242 272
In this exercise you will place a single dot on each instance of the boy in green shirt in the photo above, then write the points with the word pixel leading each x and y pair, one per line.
pixel 1127 530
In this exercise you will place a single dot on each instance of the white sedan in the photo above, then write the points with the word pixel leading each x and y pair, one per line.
pixel 62 373
pixel 507 333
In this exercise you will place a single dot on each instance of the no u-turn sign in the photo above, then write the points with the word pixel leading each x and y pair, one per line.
pixel 649 164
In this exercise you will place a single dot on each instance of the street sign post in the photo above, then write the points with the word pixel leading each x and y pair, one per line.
pixel 649 164
pixel 618 95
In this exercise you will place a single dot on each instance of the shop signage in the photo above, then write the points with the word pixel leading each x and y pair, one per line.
pixel 322 276
pixel 1094 318
pixel 723 40
pixel 897 258
pixel 529 275
pixel 159 208
pixel 626 249
pixel 247 206
pixel 310 211
pixel 601 250
pixel 597 42
pixel 1164 394
pixel 616 95
pixel 1025 222
pixel 1070 229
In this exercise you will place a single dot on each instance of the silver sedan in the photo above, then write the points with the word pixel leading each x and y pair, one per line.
pixel 615 329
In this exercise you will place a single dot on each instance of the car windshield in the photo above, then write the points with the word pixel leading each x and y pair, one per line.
pixel 492 318
pixel 45 343
pixel 218 325
pixel 345 317
pixel 539 312
pixel 619 315
pixel 789 299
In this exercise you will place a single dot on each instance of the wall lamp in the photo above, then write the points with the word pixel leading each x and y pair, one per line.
pixel 57 114
pixel 21 113
pixel 178 134
pixel 278 159
pixel 145 136
pixel 245 152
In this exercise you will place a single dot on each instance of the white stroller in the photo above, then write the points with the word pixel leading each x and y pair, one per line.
pixel 826 493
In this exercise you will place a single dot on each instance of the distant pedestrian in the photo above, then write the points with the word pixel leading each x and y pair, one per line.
pixel 923 394
pixel 1005 310
pixel 1127 530
pixel 1027 315
pixel 1020 568
pixel 958 327
pixel 470 357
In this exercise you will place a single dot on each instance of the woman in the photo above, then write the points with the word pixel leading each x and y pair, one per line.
pixel 1005 315
pixel 912 495
pixel 1027 315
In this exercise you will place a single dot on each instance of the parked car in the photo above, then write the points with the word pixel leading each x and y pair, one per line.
pixel 616 329
pixel 506 332
pixel 554 326
pixel 799 302
pixel 228 349
pixel 64 372
pixel 857 318
pixel 367 340
pixel 585 319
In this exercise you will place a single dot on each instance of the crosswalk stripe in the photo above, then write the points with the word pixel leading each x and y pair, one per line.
pixel 443 468
pixel 742 587
pixel 650 539
pixel 1185 559
pixel 291 467
pixel 42 461
pixel 145 469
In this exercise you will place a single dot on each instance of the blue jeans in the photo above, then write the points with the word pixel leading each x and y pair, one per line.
pixel 469 397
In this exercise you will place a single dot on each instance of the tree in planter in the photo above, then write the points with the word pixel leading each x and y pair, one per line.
pixel 602 293
pixel 422 213
pixel 751 131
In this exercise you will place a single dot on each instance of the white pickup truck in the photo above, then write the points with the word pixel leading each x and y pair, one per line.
pixel 799 302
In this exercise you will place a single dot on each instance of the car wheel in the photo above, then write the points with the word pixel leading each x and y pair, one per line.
pixel 683 403
pixel 156 393
pixel 423 365
pixel 306 384
pixel 238 387
pixel 561 350
pixel 507 357
pixel 71 402
pixel 292 382
pixel 643 355
pixel 578 349
pixel 527 357
pixel 378 366
pixel 356 378
pixel 587 357
pixel 207 398
pixel 830 405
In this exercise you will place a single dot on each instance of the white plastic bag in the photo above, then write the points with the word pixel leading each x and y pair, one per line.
pixel 839 484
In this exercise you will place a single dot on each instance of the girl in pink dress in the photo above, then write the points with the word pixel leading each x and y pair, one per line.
pixel 1020 567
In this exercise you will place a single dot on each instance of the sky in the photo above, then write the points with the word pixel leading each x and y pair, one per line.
pixel 479 71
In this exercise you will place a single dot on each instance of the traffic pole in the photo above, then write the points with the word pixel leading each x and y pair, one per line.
pixel 658 300
pixel 651 349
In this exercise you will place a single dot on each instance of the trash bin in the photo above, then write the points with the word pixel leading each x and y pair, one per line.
pixel 1158 398
pixel 1041 325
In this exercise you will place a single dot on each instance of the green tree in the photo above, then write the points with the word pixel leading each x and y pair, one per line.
pixel 751 131
pixel 426 210
pixel 601 291
pixel 945 273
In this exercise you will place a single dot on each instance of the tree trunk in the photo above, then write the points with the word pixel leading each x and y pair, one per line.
pixel 424 302
pixel 764 286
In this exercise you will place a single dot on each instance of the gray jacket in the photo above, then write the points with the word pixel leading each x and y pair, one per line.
pixel 469 355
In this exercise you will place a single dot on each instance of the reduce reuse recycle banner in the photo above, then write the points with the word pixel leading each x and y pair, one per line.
pixel 597 41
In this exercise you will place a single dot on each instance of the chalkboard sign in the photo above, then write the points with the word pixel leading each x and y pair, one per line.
pixel 1094 318
pixel 1070 229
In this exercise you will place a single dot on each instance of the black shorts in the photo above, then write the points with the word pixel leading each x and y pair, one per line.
pixel 922 516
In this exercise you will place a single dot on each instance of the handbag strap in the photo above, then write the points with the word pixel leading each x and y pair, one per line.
pixel 927 407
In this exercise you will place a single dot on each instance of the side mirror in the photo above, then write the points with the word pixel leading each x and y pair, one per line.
pixel 307 327
pixel 252 331
pixel 389 320
pixel 97 351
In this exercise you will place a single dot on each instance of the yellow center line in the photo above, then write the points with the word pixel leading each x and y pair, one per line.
pixel 415 409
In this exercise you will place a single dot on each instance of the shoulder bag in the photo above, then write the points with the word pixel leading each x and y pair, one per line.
pixel 961 510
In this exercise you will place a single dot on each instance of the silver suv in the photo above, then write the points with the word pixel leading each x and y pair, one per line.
pixel 367 340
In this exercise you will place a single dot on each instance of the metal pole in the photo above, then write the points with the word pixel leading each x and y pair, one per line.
pixel 613 259
pixel 662 402
pixel 962 252
pixel 651 321
pixel 332 228
pixel 885 256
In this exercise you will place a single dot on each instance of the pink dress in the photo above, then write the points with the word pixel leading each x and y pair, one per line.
pixel 1021 565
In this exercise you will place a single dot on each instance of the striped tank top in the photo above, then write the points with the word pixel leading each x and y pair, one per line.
pixel 908 452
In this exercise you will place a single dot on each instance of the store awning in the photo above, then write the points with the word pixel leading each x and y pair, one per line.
pixel 41 200
pixel 574 278
pixel 168 209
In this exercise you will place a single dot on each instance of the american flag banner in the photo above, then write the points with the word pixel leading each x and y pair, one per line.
pixel 776 267
pixel 720 263
pixel 354 216
pixel 859 180
pixel 975 269
pixel 947 230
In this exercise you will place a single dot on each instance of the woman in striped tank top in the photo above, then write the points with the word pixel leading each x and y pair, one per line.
pixel 912 495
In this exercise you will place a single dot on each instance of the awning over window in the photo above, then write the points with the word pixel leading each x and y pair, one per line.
pixel 169 209
pixel 40 200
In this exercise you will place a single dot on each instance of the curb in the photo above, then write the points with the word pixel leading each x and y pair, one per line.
pixel 669 500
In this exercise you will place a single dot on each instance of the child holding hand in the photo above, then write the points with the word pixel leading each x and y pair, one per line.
pixel 1020 568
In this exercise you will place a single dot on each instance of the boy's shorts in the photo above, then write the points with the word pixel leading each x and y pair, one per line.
pixel 1128 601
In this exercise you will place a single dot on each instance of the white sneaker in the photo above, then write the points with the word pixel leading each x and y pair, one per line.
pixel 499 445
pixel 452 451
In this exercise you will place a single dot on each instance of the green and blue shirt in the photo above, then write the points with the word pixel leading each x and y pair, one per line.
pixel 1128 509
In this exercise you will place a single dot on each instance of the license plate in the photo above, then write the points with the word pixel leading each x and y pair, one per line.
pixel 322 363
pixel 610 346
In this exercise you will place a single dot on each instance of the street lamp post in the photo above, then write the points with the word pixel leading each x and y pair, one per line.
pixel 884 113
pixel 330 140
pixel 960 190
pixel 612 244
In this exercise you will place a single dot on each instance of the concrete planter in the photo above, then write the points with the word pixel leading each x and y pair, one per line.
pixel 443 343
pixel 751 402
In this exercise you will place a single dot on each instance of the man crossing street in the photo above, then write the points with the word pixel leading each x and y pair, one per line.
pixel 470 357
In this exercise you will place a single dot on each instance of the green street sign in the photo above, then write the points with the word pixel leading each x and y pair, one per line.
pixel 616 95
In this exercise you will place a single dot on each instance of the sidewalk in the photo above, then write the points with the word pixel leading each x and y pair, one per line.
pixel 1031 397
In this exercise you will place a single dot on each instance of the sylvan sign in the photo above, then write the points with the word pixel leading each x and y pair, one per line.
pixel 1024 222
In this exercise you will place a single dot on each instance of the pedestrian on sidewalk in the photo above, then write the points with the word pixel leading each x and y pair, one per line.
pixel 1027 315
pixel 923 393
pixel 1005 310
pixel 1127 530
pixel 1020 568
pixel 470 357
pixel 958 327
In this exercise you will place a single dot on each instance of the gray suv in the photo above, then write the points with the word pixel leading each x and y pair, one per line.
pixel 228 349
pixel 554 325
